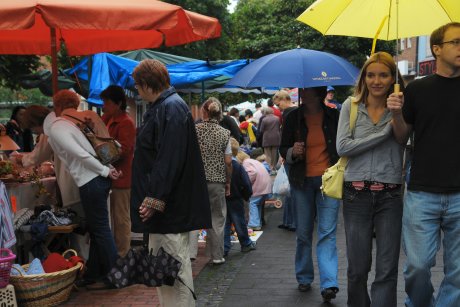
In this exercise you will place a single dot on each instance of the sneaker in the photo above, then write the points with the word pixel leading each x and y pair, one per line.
pixel 248 248
pixel 255 228
pixel 329 293
pixel 304 287
pixel 218 261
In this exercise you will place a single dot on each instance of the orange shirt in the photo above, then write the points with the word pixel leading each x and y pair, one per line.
pixel 316 152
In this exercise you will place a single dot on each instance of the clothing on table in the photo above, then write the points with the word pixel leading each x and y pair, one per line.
pixel 7 236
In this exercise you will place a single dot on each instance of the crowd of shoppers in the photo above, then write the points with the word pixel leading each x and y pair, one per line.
pixel 176 176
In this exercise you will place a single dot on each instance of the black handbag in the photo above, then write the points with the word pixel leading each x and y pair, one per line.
pixel 140 266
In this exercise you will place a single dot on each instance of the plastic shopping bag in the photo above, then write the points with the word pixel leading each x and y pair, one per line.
pixel 281 183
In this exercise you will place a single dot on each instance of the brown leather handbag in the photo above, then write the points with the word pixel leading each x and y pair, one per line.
pixel 108 150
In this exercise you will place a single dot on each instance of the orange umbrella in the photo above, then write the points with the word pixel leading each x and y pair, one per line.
pixel 92 26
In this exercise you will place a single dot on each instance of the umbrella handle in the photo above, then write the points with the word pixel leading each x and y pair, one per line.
pixel 396 88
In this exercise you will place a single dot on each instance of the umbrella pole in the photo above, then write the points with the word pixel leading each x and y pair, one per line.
pixel 54 69
pixel 396 86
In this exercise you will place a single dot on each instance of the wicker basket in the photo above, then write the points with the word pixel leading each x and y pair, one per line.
pixel 6 261
pixel 49 289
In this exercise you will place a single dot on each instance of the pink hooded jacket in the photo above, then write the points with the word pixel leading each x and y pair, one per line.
pixel 260 178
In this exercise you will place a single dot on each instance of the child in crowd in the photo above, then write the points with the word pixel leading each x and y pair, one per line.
pixel 240 191
pixel 261 188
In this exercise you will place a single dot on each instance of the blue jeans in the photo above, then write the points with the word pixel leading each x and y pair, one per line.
pixel 310 203
pixel 364 212
pixel 425 215
pixel 235 215
pixel 289 212
pixel 102 250
pixel 255 210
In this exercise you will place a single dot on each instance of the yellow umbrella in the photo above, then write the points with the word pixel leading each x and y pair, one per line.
pixel 395 18
pixel 380 19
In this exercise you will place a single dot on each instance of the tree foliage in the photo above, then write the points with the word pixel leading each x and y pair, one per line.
pixel 212 49
pixel 13 67
pixel 262 27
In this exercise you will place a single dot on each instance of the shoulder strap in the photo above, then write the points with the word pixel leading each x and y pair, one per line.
pixel 82 122
pixel 353 113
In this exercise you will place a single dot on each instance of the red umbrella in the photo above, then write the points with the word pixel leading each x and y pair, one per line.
pixel 92 26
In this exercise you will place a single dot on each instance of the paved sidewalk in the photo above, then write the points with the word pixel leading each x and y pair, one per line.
pixel 265 277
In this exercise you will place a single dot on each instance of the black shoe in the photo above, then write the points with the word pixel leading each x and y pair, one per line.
pixel 329 293
pixel 81 283
pixel 282 226
pixel 249 248
pixel 304 287
pixel 293 229
pixel 100 285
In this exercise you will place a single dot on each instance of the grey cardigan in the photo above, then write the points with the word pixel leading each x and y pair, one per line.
pixel 372 151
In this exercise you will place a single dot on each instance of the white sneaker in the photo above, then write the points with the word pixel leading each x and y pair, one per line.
pixel 218 261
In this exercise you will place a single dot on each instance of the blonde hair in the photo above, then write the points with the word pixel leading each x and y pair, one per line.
pixel 235 146
pixel 361 91
pixel 241 156
pixel 281 95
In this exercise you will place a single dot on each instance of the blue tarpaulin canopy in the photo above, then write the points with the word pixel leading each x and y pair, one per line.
pixel 106 69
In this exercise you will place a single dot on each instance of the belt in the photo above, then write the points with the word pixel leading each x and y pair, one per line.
pixel 373 186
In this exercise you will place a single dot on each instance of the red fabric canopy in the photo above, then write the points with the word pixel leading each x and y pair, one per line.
pixel 92 26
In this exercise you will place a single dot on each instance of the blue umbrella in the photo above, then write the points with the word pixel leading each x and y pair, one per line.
pixel 298 67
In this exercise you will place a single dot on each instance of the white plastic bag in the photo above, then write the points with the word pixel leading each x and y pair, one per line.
pixel 281 183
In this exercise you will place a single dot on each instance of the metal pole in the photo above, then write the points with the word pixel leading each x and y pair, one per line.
pixel 54 68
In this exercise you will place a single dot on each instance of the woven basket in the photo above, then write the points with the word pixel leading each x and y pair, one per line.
pixel 49 289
